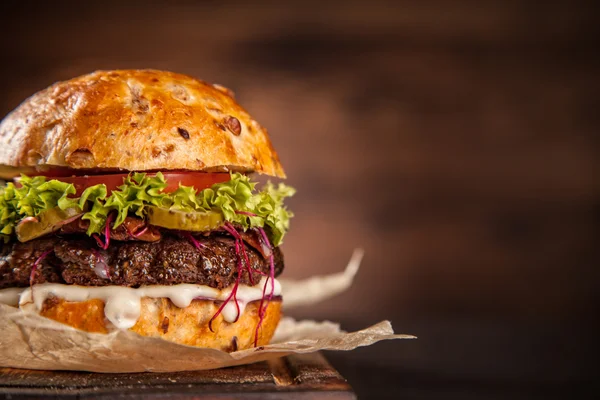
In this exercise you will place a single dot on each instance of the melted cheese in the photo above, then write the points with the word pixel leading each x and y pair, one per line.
pixel 122 304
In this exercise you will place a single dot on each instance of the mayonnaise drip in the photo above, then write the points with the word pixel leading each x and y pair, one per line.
pixel 122 305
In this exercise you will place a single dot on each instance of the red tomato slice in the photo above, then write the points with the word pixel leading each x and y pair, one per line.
pixel 198 180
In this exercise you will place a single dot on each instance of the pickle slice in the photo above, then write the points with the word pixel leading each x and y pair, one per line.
pixel 48 221
pixel 184 221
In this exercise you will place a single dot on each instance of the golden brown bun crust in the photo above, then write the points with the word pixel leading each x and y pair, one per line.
pixel 134 120
pixel 161 318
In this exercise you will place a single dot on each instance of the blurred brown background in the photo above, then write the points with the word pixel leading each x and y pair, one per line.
pixel 456 142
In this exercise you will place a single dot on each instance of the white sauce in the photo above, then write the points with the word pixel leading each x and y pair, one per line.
pixel 122 304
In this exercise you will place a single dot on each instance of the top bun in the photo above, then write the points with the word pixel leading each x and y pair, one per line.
pixel 134 120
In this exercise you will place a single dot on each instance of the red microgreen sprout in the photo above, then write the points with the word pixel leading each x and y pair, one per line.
pixel 98 240
pixel 239 243
pixel 36 264
pixel 192 239
pixel 238 239
pixel 141 232
pixel 262 311
pixel 104 245
pixel 232 294
pixel 266 248
pixel 271 260
pixel 138 233
pixel 250 214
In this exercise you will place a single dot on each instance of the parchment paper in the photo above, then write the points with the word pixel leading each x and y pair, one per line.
pixel 30 341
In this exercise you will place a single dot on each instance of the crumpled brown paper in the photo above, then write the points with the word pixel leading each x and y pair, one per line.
pixel 30 341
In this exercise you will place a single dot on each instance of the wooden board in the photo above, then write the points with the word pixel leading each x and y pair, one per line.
pixel 303 376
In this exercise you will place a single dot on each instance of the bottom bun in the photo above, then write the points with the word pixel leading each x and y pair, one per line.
pixel 161 318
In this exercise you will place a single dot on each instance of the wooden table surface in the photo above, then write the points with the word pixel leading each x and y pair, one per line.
pixel 307 376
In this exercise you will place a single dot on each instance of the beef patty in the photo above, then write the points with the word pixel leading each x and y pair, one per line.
pixel 78 260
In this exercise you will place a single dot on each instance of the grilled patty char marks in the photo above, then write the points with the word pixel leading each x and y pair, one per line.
pixel 170 261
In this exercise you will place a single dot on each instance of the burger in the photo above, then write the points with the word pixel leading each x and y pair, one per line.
pixel 130 203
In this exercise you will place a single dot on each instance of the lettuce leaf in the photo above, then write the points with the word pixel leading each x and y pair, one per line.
pixel 262 209
pixel 237 200
pixel 33 197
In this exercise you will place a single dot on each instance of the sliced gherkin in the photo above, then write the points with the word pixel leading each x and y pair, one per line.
pixel 47 222
pixel 184 220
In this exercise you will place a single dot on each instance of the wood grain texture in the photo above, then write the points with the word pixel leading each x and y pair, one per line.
pixel 296 377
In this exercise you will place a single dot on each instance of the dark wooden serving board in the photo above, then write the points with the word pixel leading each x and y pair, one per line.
pixel 302 376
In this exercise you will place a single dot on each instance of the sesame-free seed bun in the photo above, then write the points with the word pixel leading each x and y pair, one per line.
pixel 134 120
pixel 159 317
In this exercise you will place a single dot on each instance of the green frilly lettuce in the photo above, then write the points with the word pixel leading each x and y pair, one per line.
pixel 236 199
pixel 33 197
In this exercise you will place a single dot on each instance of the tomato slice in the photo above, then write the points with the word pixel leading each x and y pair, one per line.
pixel 198 180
